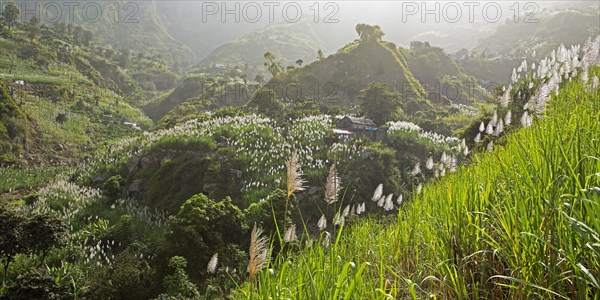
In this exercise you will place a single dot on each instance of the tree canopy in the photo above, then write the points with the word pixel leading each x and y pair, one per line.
pixel 271 64
pixel 369 32
pixel 265 101
pixel 379 103
pixel 11 14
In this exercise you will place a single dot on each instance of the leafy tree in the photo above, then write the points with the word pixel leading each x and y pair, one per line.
pixel 109 53
pixel 320 55
pixel 369 32
pixel 33 27
pixel 10 236
pixel 265 101
pixel 61 118
pixel 259 78
pixel 112 186
pixel 11 14
pixel 270 214
pixel 380 104
pixel 299 62
pixel 34 284
pixel 60 28
pixel 203 227
pixel 43 232
pixel 178 285
pixel 270 63
pixel 77 31
pixel 124 58
pixel 86 37
pixel 128 277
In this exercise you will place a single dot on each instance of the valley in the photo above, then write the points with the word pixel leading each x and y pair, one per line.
pixel 171 158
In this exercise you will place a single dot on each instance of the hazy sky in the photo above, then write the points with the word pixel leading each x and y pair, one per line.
pixel 450 24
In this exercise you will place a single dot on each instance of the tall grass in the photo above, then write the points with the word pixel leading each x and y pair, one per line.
pixel 12 179
pixel 523 222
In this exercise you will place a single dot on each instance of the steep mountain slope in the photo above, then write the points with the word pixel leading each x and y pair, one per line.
pixel 338 78
pixel 14 127
pixel 203 91
pixel 346 72
pixel 62 98
pixel 520 222
pixel 552 28
pixel 445 79
pixel 287 41
pixel 495 57
pixel 133 25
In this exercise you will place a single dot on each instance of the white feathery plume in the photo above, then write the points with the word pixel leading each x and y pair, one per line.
pixel 378 192
pixel 508 118
pixel 506 96
pixel 294 175
pixel 290 234
pixel 322 223
pixel 399 200
pixel 416 169
pixel 499 128
pixel 338 220
pixel 326 240
pixel 346 211
pixel 333 186
pixel 494 118
pixel 258 251
pixel 389 204
pixel 212 264
pixel 584 76
pixel 524 66
pixel 490 128
pixel 429 164
pixel 526 120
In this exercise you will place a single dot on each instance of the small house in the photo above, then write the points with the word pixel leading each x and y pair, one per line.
pixel 351 122
pixel 132 125
pixel 350 126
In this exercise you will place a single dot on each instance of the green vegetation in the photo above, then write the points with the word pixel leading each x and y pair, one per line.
pixel 14 130
pixel 248 189
pixel 494 58
pixel 27 179
pixel 380 104
pixel 349 70
pixel 62 95
pixel 518 38
pixel 287 41
pixel 428 83
pixel 522 221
